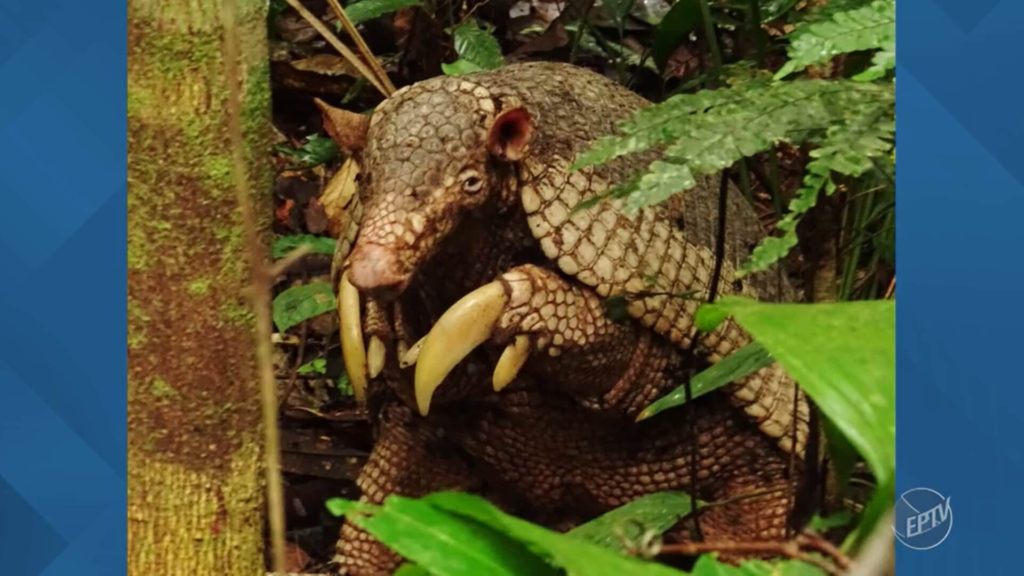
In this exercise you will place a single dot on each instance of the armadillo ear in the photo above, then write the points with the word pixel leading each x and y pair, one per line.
pixel 510 135
pixel 347 129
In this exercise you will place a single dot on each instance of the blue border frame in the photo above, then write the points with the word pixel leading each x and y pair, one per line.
pixel 62 288
pixel 960 230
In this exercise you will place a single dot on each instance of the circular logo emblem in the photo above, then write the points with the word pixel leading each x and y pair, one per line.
pixel 923 518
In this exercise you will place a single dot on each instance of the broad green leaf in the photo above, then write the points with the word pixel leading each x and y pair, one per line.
pixel 452 533
pixel 460 67
pixel 300 303
pixel 709 317
pixel 367 10
pixel 344 385
pixel 411 570
pixel 881 502
pixel 684 17
pixel 340 507
pixel 477 47
pixel 871 27
pixel 315 366
pixel 574 555
pixel 708 565
pixel 317 149
pixel 841 454
pixel 442 543
pixel 318 244
pixel 826 523
pixel 843 355
pixel 617 528
pixel 740 363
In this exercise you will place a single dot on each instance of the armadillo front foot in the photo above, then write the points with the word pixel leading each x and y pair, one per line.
pixel 537 321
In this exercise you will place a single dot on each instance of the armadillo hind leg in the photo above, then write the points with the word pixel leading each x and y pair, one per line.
pixel 408 459
pixel 757 510
pixel 560 457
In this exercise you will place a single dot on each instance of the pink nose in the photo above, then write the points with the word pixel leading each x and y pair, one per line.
pixel 375 268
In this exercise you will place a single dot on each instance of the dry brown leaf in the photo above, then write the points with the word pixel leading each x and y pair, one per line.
pixel 338 197
pixel 294 29
pixel 283 214
pixel 347 129
pixel 552 38
pixel 296 558
pixel 326 64
pixel 316 217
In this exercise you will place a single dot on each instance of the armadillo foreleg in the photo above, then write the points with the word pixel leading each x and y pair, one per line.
pixel 559 332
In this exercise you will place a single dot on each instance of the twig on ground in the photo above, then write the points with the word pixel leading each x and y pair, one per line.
pixel 331 39
pixel 279 267
pixel 795 549
pixel 371 59
pixel 299 359
pixel 819 544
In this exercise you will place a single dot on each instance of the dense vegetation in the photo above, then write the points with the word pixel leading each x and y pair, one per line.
pixel 794 101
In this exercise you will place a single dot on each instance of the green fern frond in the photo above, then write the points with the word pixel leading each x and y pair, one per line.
pixel 775 248
pixel 882 61
pixel 849 148
pixel 870 27
pixel 710 130
pixel 660 123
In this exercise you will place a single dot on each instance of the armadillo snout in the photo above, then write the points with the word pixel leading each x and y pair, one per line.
pixel 377 270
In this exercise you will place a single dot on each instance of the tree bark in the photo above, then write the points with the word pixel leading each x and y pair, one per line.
pixel 195 499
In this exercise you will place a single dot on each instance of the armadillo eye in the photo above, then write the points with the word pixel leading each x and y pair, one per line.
pixel 471 184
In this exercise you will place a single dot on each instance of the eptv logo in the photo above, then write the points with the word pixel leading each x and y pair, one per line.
pixel 924 518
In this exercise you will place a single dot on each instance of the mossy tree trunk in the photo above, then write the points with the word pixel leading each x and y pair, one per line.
pixel 195 499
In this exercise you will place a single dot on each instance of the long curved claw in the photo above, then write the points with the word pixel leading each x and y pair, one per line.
pixel 352 351
pixel 463 327
pixel 375 355
pixel 411 354
pixel 511 361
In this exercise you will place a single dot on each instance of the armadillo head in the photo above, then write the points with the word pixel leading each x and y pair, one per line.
pixel 432 155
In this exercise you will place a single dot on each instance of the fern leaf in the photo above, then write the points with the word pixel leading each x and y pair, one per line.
pixel 655 125
pixel 662 180
pixel 477 48
pixel 849 148
pixel 870 27
pixel 775 248
pixel 883 61
pixel 710 130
